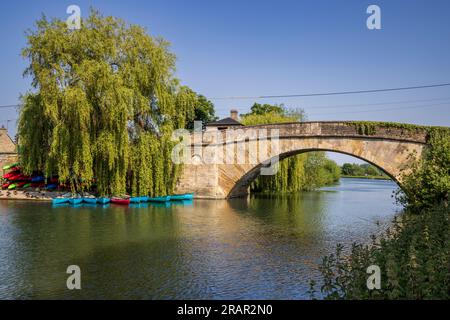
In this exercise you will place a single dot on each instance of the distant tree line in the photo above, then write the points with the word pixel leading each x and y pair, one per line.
pixel 361 170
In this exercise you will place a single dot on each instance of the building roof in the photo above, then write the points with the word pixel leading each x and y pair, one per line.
pixel 7 145
pixel 224 122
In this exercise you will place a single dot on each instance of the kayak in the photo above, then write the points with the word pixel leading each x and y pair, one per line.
pixel 75 200
pixel 37 185
pixel 21 184
pixel 60 200
pixel 103 200
pixel 186 196
pixel 27 185
pixel 135 199
pixel 52 186
pixel 37 179
pixel 90 200
pixel 10 174
pixel 15 177
pixel 10 166
pixel 144 199
pixel 120 201
pixel 159 199
pixel 6 185
pixel 11 186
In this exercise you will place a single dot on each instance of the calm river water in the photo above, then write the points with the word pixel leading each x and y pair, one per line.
pixel 256 248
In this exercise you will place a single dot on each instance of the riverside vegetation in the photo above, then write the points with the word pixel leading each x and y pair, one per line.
pixel 413 255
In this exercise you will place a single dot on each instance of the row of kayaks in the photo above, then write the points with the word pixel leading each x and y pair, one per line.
pixel 122 201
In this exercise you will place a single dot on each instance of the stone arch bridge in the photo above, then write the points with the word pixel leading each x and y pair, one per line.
pixel 389 147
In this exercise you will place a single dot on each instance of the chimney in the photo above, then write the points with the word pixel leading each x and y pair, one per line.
pixel 234 114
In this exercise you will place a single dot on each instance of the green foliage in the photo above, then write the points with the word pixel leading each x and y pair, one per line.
pixel 427 182
pixel 369 127
pixel 320 171
pixel 413 257
pixel 104 105
pixel 266 114
pixel 204 111
pixel 263 109
pixel 301 172
pixel 361 170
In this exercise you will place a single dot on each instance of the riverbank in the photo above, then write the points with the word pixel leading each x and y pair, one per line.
pixel 29 195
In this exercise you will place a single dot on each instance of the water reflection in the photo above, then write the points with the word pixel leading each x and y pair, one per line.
pixel 261 247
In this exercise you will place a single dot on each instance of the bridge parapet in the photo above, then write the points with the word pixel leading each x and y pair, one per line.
pixel 367 130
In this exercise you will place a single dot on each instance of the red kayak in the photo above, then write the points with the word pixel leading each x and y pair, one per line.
pixel 15 177
pixel 6 185
pixel 120 201
pixel 21 184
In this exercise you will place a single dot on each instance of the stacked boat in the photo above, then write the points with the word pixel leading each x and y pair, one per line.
pixel 77 199
pixel 14 179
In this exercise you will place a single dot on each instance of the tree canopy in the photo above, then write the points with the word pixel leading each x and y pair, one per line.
pixel 103 105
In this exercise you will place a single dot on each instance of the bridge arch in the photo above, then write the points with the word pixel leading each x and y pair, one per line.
pixel 390 148
pixel 242 186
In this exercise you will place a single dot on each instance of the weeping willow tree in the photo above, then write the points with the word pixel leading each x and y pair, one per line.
pixel 103 105
pixel 297 173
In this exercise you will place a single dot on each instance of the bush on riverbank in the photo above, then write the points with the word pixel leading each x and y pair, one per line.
pixel 413 256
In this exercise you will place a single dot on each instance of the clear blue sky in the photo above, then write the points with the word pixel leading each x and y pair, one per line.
pixel 253 48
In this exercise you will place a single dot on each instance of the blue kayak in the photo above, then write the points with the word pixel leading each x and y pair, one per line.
pixel 51 186
pixel 103 200
pixel 159 199
pixel 144 199
pixel 186 196
pixel 37 179
pixel 76 200
pixel 60 200
pixel 135 199
pixel 90 200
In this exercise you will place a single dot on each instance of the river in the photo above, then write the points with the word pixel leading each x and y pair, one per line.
pixel 263 247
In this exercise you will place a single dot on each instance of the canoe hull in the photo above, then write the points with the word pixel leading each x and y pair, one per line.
pixel 103 200
pixel 75 201
pixel 120 201
pixel 178 197
pixel 60 200
pixel 159 199
pixel 135 199
pixel 90 200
